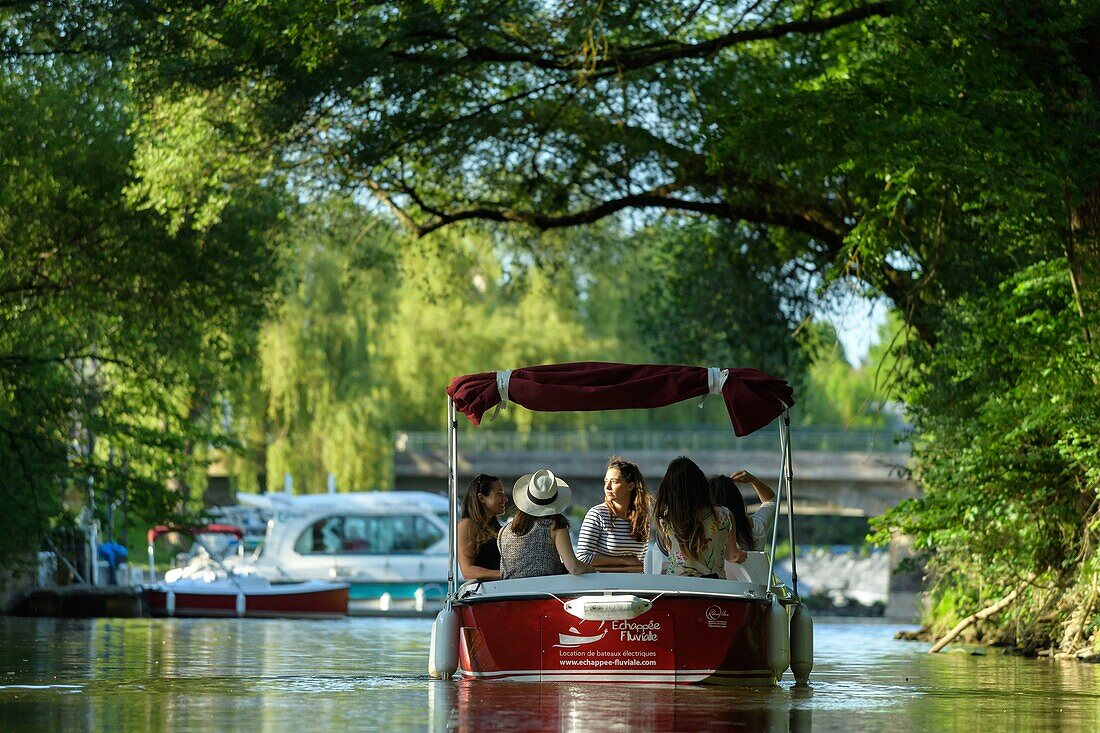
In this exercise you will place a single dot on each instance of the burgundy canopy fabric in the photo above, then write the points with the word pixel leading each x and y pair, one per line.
pixel 753 398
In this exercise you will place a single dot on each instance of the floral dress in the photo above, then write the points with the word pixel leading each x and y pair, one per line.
pixel 717 527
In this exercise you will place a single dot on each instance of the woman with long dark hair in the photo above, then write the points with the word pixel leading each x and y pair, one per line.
pixel 478 556
pixel 614 533
pixel 752 531
pixel 689 524
pixel 536 542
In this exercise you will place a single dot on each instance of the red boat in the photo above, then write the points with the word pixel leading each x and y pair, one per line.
pixel 248 597
pixel 210 589
pixel 624 627
pixel 684 630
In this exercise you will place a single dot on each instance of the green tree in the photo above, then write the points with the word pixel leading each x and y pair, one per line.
pixel 727 308
pixel 119 330
pixel 1007 416
pixel 865 395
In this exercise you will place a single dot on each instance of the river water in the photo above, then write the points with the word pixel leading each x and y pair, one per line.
pixel 369 674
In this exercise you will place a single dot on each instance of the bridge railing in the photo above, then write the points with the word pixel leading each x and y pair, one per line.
pixel 832 439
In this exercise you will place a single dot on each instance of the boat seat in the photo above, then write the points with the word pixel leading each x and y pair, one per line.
pixel 655 560
pixel 753 570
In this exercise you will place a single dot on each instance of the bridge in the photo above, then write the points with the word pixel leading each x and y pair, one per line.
pixel 847 472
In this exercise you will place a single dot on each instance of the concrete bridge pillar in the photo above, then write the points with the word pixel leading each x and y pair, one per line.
pixel 906 597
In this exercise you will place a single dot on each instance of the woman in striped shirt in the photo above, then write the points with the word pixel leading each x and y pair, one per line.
pixel 614 534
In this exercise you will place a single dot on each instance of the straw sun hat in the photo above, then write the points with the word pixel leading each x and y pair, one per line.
pixel 541 494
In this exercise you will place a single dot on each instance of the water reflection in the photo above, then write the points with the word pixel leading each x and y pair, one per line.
pixel 201 675
pixel 573 707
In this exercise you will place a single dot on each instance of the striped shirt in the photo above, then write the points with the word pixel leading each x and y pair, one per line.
pixel 602 533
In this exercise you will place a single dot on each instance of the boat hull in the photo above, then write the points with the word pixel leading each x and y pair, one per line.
pixel 681 640
pixel 293 600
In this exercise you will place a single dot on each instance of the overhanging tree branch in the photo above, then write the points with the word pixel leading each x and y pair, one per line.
pixel 806 221
pixel 636 57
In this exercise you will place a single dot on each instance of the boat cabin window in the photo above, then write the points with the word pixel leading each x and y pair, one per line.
pixel 360 534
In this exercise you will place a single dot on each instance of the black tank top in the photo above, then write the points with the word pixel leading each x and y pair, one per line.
pixel 488 554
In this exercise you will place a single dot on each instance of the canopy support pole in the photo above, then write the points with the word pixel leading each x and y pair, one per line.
pixel 452 493
pixel 778 503
pixel 788 474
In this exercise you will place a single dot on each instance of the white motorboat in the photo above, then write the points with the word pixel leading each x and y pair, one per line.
pixel 389 546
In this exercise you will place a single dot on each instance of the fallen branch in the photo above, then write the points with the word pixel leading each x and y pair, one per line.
pixel 975 617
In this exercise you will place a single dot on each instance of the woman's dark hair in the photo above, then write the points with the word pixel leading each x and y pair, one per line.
pixel 728 495
pixel 522 522
pixel 638 511
pixel 683 499
pixel 486 525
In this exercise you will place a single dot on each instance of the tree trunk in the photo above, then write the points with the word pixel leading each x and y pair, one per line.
pixel 1083 253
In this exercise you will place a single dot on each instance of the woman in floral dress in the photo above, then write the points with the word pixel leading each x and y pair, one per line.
pixel 690 526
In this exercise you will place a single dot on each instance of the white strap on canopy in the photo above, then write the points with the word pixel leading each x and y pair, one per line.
pixel 503 379
pixel 716 380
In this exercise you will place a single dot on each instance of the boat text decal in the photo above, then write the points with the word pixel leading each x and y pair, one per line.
pixel 716 617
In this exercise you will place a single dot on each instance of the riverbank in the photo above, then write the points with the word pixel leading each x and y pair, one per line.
pixel 1083 654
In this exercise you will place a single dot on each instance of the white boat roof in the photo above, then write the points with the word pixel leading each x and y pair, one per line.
pixel 351 501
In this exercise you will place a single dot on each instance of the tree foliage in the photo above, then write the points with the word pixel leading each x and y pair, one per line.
pixel 119 330
pixel 1007 418
pixel 940 153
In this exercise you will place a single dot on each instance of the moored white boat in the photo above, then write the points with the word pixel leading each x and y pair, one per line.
pixel 622 627
pixel 389 547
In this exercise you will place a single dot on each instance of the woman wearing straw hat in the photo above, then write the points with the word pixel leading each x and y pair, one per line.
pixel 537 540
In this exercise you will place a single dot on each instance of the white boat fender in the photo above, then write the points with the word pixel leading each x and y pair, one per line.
pixel 777 632
pixel 443 649
pixel 170 602
pixel 802 644
pixel 384 602
pixel 240 604
pixel 608 607
pixel 418 599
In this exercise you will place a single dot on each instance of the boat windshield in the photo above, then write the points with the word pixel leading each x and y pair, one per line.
pixel 355 534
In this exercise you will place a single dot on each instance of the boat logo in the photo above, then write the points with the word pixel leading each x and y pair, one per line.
pixel 716 617
pixel 575 639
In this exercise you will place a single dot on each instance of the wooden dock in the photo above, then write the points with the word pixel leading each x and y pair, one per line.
pixel 83 601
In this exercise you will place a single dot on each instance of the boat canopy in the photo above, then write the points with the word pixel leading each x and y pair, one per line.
pixel 753 398
pixel 161 529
